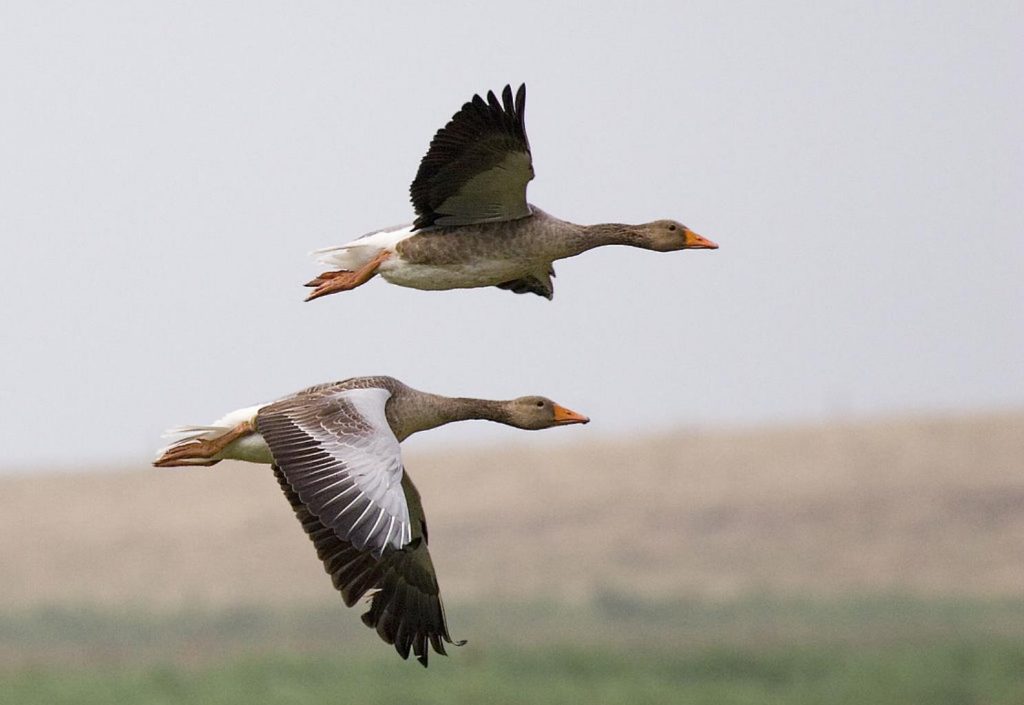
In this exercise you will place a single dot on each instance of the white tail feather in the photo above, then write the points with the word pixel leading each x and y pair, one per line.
pixel 345 257
pixel 192 431
pixel 353 255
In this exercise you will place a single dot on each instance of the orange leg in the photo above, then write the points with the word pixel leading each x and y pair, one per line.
pixel 201 451
pixel 331 282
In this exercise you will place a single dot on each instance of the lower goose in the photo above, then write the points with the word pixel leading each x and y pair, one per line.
pixel 334 449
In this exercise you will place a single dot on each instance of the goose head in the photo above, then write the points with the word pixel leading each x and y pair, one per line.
pixel 670 235
pixel 534 413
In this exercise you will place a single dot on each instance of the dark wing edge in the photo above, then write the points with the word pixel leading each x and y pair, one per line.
pixel 480 137
pixel 532 284
pixel 405 607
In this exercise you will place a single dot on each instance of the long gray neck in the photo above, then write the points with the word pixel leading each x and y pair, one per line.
pixel 587 237
pixel 465 408
pixel 421 411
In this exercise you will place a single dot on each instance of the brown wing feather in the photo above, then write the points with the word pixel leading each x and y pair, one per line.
pixel 405 609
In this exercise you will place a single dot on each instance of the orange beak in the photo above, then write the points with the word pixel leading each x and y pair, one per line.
pixel 565 416
pixel 696 242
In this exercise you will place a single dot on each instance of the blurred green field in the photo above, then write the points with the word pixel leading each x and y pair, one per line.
pixel 614 650
pixel 949 672
pixel 199 587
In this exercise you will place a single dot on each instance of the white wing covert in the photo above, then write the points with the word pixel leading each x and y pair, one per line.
pixel 340 456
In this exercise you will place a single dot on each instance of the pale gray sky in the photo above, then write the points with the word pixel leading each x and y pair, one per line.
pixel 165 168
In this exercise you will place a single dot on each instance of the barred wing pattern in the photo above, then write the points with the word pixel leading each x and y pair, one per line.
pixel 406 608
pixel 478 165
pixel 340 456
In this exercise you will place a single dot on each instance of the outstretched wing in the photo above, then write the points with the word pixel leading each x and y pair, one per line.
pixel 342 459
pixel 406 608
pixel 477 166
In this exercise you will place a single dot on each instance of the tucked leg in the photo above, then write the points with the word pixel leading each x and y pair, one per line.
pixel 202 451
pixel 331 282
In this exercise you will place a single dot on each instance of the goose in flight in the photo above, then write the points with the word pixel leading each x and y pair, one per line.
pixel 334 449
pixel 473 225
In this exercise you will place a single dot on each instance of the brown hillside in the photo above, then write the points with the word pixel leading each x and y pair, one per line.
pixel 924 506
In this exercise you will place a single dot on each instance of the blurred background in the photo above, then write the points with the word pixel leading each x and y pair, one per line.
pixel 804 479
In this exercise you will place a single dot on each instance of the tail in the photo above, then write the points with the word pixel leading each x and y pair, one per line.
pixel 356 254
pixel 346 258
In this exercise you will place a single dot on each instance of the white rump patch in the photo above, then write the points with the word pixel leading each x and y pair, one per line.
pixel 353 255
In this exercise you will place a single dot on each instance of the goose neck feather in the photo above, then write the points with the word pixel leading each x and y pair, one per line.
pixel 410 411
pixel 587 237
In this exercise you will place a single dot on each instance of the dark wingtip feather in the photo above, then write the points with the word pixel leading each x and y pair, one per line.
pixel 419 648
pixel 481 118
pixel 403 638
pixel 400 612
pixel 368 619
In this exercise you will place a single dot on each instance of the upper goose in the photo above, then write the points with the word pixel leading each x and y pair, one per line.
pixel 334 449
pixel 473 225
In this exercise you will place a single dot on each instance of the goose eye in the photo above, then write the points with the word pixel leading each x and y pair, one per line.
pixel 540 404
pixel 672 227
